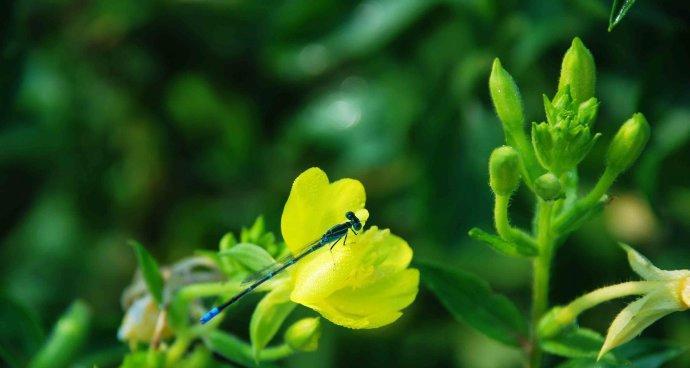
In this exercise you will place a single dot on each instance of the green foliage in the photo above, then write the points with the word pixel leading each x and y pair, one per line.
pixel 172 122
pixel 20 335
pixel 267 318
pixel 576 342
pixel 144 359
pixel 619 12
pixel 233 349
pixel 469 299
pixel 149 270
pixel 638 354
pixel 560 144
pixel 502 246
pixel 250 256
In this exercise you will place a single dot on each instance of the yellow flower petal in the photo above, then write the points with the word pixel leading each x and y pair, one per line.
pixel 314 205
pixel 372 306
pixel 362 285
pixel 639 315
pixel 365 259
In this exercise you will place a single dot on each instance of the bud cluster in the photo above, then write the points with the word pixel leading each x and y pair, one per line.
pixel 565 138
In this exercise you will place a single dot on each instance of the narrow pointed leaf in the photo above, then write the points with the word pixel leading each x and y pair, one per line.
pixel 502 246
pixel 149 270
pixel 67 338
pixel 618 13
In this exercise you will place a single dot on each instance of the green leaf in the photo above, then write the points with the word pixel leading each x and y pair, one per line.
pixel 649 353
pixel 470 299
pixel 178 313
pixel 144 359
pixel 229 347
pixel 20 333
pixel 641 353
pixel 617 14
pixel 252 257
pixel 235 350
pixel 150 271
pixel 67 338
pixel 576 343
pixel 502 246
pixel 268 316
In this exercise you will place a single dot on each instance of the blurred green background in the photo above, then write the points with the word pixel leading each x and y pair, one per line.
pixel 173 122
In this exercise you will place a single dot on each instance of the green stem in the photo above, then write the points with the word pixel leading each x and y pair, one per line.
pixel 542 266
pixel 531 168
pixel 276 353
pixel 177 349
pixel 208 289
pixel 503 227
pixel 607 293
pixel 584 205
pixel 502 223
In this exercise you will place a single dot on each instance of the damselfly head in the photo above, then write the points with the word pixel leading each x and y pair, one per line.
pixel 356 224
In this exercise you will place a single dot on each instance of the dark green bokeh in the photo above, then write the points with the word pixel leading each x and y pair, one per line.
pixel 172 122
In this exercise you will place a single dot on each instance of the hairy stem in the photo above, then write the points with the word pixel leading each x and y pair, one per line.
pixel 541 269
pixel 607 293
pixel 208 289
pixel 531 168
pixel 584 205
pixel 503 227
pixel 501 217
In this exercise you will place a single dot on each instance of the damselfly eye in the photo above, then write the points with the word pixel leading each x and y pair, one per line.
pixel 351 216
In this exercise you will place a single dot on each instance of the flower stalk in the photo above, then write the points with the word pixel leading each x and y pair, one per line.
pixel 541 273
pixel 548 166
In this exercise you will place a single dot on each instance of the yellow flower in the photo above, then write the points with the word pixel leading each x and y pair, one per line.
pixel 663 292
pixel 363 284
pixel 670 292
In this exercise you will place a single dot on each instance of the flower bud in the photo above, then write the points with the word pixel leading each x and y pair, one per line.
pixel 578 71
pixel 506 98
pixel 504 170
pixel 628 143
pixel 587 112
pixel 304 334
pixel 548 187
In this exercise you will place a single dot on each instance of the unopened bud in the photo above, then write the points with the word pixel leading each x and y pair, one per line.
pixel 628 143
pixel 304 334
pixel 578 71
pixel 548 187
pixel 506 98
pixel 587 112
pixel 504 170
